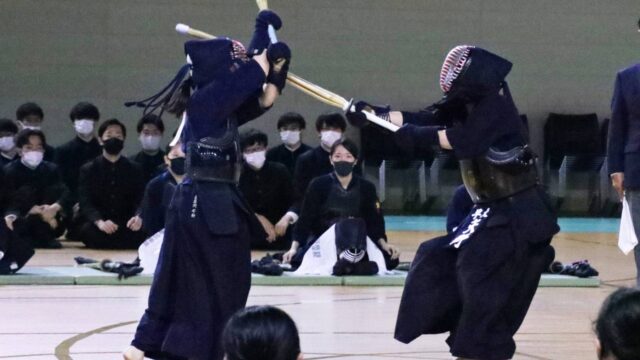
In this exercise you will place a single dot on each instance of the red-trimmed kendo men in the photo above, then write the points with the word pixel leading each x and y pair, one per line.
pixel 204 272
pixel 477 282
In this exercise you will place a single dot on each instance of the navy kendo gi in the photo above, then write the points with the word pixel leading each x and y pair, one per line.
pixel 204 268
pixel 477 282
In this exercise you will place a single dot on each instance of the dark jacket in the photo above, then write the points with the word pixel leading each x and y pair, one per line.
pixel 287 157
pixel 25 187
pixel 320 209
pixel 71 156
pixel 157 197
pixel 151 164
pixel 268 190
pixel 110 191
pixel 310 165
pixel 623 149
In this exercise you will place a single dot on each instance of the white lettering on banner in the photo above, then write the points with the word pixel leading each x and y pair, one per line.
pixel 476 220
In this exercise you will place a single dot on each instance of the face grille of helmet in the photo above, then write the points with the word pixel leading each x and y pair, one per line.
pixel 453 65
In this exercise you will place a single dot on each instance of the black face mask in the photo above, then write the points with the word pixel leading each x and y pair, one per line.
pixel 343 168
pixel 177 166
pixel 113 146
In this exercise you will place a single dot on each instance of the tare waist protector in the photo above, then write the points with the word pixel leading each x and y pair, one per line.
pixel 499 174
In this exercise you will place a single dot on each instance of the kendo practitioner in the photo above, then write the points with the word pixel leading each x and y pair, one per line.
pixel 30 116
pixel 478 281
pixel 159 191
pixel 204 269
pixel 337 196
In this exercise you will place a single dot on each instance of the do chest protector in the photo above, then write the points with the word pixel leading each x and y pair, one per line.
pixel 499 174
pixel 215 159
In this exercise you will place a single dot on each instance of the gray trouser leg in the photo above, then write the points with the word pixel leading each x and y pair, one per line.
pixel 633 198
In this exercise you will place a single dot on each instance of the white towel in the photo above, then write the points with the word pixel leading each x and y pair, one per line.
pixel 322 255
pixel 149 252
pixel 627 239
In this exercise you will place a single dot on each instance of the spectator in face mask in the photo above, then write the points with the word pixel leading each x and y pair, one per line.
pixel 151 157
pixel 8 150
pixel 160 189
pixel 314 163
pixel 36 194
pixel 110 190
pixel 290 127
pixel 337 196
pixel 70 156
pixel 267 187
pixel 31 116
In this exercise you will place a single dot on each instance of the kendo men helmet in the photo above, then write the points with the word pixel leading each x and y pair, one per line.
pixel 470 71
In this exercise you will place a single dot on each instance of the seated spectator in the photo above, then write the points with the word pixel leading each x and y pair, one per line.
pixel 150 129
pixel 8 149
pixel 159 190
pixel 337 196
pixel 618 326
pixel 110 190
pixel 36 194
pixel 70 156
pixel 290 126
pixel 31 116
pixel 13 253
pixel 267 187
pixel 261 333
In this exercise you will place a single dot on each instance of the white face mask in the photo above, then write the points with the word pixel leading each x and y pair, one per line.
pixel 290 137
pixel 83 126
pixel 329 137
pixel 256 159
pixel 150 142
pixel 30 127
pixel 32 158
pixel 7 143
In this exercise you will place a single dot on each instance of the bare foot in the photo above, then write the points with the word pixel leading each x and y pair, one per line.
pixel 133 353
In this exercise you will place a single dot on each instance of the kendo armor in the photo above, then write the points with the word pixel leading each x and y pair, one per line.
pixel 215 159
pixel 499 174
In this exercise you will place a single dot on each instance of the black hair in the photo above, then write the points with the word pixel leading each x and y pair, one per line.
pixel 27 109
pixel 291 118
pixel 23 137
pixel 103 127
pixel 334 120
pixel 152 119
pixel 618 325
pixel 261 333
pixel 177 102
pixel 350 145
pixel 84 110
pixel 251 137
pixel 8 125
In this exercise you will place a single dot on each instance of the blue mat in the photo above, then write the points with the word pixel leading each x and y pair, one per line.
pixel 438 223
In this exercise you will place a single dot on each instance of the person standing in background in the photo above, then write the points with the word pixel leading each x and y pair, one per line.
pixel 623 148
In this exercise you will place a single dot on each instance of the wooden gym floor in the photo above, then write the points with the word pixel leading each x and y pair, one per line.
pixel 97 322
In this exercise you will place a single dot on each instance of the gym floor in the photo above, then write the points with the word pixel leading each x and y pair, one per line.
pixel 97 322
